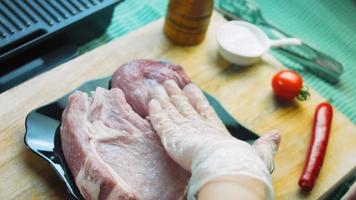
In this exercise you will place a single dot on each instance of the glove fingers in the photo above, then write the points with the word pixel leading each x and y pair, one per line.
pixel 267 146
pixel 160 120
pixel 178 98
pixel 159 93
pixel 201 104
pixel 168 131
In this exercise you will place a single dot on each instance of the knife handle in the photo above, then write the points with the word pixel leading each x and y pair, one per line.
pixel 324 68
pixel 318 63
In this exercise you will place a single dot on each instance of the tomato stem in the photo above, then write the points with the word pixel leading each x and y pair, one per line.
pixel 303 94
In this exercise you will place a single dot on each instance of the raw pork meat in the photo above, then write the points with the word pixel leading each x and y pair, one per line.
pixel 137 77
pixel 113 153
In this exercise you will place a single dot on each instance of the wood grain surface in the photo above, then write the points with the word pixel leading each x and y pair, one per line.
pixel 245 93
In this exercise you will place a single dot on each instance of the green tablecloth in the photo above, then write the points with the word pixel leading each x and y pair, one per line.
pixel 328 25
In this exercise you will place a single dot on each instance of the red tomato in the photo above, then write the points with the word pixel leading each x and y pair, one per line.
pixel 287 85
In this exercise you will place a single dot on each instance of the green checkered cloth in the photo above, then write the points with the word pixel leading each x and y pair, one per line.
pixel 328 25
pixel 129 16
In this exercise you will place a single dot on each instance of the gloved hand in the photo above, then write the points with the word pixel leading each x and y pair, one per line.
pixel 194 136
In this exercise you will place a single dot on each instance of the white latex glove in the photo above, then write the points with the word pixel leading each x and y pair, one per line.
pixel 194 136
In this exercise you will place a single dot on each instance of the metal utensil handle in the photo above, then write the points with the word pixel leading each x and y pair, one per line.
pixel 284 42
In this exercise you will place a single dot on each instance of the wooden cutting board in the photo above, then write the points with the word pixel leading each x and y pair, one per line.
pixel 245 93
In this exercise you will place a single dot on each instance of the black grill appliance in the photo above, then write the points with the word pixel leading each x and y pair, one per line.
pixel 36 35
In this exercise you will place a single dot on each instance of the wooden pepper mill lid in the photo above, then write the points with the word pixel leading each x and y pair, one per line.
pixel 187 20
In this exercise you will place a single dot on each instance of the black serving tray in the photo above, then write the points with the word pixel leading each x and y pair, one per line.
pixel 42 132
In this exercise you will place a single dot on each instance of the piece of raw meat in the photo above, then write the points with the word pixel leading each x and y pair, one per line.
pixel 113 153
pixel 137 77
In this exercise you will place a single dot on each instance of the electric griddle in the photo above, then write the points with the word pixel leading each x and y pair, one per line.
pixel 37 35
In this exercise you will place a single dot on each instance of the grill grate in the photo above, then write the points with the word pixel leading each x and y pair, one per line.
pixel 37 35
pixel 19 18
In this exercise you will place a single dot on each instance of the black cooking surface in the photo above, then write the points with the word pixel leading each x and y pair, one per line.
pixel 29 29
pixel 27 21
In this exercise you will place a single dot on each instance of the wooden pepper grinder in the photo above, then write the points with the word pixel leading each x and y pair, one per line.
pixel 187 20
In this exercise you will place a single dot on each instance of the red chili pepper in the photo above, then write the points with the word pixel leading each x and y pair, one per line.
pixel 317 147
